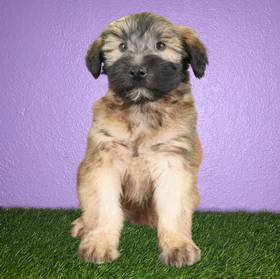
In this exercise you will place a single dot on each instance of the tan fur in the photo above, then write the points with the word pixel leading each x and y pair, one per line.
pixel 190 38
pixel 141 164
pixel 112 38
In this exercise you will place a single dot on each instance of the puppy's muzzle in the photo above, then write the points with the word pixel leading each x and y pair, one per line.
pixel 137 72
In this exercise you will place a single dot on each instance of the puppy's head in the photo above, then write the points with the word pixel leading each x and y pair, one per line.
pixel 146 57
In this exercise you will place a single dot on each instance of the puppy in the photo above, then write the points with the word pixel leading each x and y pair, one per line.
pixel 143 151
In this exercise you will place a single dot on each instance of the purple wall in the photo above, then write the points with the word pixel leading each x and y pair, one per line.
pixel 47 96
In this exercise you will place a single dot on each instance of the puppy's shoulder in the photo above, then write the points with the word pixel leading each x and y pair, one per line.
pixel 109 104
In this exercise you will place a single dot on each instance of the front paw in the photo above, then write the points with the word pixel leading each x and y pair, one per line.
pixel 98 250
pixel 186 254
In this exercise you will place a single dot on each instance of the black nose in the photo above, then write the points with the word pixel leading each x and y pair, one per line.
pixel 137 72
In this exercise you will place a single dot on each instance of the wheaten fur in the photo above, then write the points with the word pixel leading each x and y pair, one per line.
pixel 142 160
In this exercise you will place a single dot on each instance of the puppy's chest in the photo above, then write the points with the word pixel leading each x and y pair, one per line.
pixel 145 134
pixel 141 132
pixel 138 139
pixel 144 129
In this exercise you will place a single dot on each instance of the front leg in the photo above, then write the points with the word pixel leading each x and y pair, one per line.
pixel 99 189
pixel 174 204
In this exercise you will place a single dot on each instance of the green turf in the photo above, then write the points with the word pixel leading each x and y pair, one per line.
pixel 36 244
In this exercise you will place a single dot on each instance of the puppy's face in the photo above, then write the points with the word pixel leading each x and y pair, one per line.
pixel 146 57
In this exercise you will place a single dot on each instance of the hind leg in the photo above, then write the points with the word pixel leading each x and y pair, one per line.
pixel 77 227
pixel 140 214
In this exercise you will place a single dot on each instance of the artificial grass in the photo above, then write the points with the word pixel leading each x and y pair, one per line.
pixel 37 244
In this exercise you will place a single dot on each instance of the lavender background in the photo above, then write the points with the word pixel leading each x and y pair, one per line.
pixel 47 96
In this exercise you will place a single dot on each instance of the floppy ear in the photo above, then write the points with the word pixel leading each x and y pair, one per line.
pixel 196 54
pixel 94 57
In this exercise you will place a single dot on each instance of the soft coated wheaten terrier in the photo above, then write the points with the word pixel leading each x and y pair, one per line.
pixel 143 151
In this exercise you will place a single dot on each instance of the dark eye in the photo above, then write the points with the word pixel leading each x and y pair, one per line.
pixel 160 45
pixel 122 47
